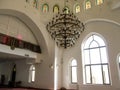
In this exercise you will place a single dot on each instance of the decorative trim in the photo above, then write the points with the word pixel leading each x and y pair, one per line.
pixel 45 7
pixel 56 7
pixel 17 43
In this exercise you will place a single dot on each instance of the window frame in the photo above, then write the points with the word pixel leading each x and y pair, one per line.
pixel 76 7
pixel 118 63
pixel 54 8
pixel 102 64
pixel 73 66
pixel 86 5
pixel 46 6
pixel 34 3
pixel 31 70
pixel 67 9
pixel 100 3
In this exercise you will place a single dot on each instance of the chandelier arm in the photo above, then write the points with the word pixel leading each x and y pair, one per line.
pixel 65 28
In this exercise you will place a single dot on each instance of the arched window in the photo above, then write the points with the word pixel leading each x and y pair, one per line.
pixel 73 71
pixel 32 73
pixel 32 3
pixel 119 63
pixel 96 68
pixel 77 8
pixel 45 8
pixel 87 4
pixel 67 9
pixel 99 2
pixel 56 9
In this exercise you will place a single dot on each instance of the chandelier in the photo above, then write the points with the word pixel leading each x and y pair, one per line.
pixel 65 28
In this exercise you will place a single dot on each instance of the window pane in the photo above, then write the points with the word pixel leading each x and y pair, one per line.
pixel 45 8
pixel 119 59
pixel 77 9
pixel 106 74
pixel 32 73
pixel 95 56
pixel 56 9
pixel 96 74
pixel 67 9
pixel 33 76
pixel 94 44
pixel 88 4
pixel 99 2
pixel 74 74
pixel 119 62
pixel 101 42
pixel 74 62
pixel 33 68
pixel 87 43
pixel 86 56
pixel 87 74
pixel 103 55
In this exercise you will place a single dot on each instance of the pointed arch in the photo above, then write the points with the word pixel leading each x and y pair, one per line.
pixel 73 70
pixel 45 8
pixel 67 9
pixel 88 4
pixel 99 2
pixel 32 3
pixel 55 9
pixel 31 74
pixel 77 8
pixel 95 59
pixel 118 64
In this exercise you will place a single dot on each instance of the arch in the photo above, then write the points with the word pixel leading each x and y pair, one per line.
pixel 87 4
pixel 32 3
pixel 67 9
pixel 90 35
pixel 118 64
pixel 31 74
pixel 45 8
pixel 32 20
pixel 55 9
pixel 73 70
pixel 99 2
pixel 77 8
pixel 94 44
pixel 31 23
pixel 25 19
pixel 102 20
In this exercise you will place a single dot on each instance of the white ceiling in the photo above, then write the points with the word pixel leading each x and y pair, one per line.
pixel 8 57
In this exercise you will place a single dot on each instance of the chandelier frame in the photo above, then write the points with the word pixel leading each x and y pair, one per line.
pixel 65 28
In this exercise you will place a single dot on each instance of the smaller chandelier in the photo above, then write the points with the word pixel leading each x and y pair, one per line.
pixel 65 28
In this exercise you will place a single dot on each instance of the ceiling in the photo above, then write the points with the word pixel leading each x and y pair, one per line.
pixel 10 57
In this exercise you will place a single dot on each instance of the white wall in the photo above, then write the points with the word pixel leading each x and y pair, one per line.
pixel 111 33
pixel 42 76
pixel 36 20
pixel 6 70
pixel 12 26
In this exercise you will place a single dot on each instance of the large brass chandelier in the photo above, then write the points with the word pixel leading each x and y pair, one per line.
pixel 65 28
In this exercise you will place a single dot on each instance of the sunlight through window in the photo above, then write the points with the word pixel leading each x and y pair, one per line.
pixel 74 71
pixel 95 61
pixel 77 8
pixel 32 73
pixel 99 2
pixel 87 4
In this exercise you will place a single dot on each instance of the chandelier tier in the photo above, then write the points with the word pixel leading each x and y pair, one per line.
pixel 65 28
